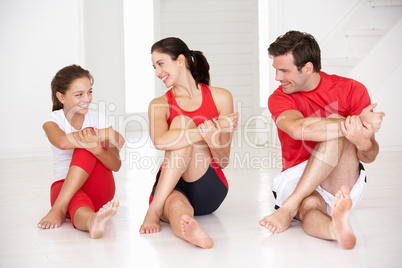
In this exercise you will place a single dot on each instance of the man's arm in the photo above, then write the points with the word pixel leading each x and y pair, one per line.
pixel 318 129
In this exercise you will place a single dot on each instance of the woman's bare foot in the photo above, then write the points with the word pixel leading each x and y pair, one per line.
pixel 97 225
pixel 53 219
pixel 280 220
pixel 151 223
pixel 341 207
pixel 193 233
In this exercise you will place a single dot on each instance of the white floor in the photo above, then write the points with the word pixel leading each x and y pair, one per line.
pixel 239 240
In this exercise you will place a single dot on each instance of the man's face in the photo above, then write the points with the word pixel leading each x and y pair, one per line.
pixel 291 78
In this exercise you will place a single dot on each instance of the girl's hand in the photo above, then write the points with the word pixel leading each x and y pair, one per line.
pixel 115 138
pixel 89 139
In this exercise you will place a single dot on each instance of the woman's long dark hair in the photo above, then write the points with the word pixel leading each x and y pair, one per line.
pixel 196 61
pixel 63 79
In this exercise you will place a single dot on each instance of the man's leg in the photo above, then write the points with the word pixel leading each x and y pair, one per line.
pixel 332 164
pixel 316 222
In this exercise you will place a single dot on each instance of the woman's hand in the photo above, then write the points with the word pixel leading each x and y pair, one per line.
pixel 209 132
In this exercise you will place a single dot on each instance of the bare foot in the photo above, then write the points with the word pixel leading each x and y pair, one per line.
pixel 341 207
pixel 192 232
pixel 97 227
pixel 151 223
pixel 53 219
pixel 279 221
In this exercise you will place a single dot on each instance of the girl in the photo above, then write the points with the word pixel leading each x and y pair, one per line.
pixel 85 150
pixel 193 123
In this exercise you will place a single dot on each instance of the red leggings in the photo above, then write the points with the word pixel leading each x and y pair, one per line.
pixel 98 189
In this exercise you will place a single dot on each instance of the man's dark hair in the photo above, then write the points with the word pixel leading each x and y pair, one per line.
pixel 303 46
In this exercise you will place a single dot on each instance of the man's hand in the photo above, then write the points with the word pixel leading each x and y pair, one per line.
pixel 372 118
pixel 357 132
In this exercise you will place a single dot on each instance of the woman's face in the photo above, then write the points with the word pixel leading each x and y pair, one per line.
pixel 78 97
pixel 166 69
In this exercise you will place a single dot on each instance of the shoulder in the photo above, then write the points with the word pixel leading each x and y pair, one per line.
pixel 55 116
pixel 218 92
pixel 159 100
pixel 159 106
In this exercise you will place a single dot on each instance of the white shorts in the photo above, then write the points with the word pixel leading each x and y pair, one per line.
pixel 285 183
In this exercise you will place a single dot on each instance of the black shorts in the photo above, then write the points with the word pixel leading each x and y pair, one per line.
pixel 205 194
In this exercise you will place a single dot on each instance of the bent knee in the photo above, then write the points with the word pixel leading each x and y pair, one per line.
pixel 312 202
pixel 176 201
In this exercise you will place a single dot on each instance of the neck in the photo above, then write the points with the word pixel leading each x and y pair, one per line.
pixel 186 86
pixel 313 81
pixel 75 119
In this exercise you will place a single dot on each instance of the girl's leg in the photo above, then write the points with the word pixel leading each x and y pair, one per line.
pixel 76 177
pixel 85 219
pixel 180 214
pixel 82 164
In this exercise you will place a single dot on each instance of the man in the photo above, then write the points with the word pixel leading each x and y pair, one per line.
pixel 326 128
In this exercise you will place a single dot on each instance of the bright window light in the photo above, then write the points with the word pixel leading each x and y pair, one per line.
pixel 138 39
pixel 263 52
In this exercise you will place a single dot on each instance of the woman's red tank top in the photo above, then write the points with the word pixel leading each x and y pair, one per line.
pixel 206 111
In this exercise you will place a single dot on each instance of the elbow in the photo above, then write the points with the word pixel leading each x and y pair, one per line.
pixel 296 134
pixel 117 168
pixel 63 145
pixel 160 145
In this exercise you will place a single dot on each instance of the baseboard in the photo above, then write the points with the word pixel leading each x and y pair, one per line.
pixel 32 152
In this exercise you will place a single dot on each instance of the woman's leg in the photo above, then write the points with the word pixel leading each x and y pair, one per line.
pixel 183 162
pixel 180 214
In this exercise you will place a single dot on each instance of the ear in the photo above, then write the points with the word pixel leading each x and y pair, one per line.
pixel 60 97
pixel 181 60
pixel 309 68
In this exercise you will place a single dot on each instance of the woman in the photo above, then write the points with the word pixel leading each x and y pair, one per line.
pixel 193 123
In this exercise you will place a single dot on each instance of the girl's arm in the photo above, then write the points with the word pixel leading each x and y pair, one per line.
pixel 63 141
pixel 89 139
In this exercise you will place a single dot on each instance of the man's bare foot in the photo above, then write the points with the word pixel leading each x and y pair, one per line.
pixel 151 223
pixel 279 221
pixel 341 207
pixel 97 226
pixel 193 233
pixel 53 219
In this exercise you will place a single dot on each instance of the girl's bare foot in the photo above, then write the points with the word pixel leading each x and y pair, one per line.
pixel 192 232
pixel 97 225
pixel 151 223
pixel 341 207
pixel 53 219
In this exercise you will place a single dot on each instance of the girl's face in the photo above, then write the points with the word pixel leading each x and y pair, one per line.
pixel 77 97
pixel 166 69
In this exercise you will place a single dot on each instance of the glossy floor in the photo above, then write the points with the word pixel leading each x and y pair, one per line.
pixel 239 240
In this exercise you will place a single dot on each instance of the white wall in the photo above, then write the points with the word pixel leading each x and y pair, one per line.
pixel 37 39
pixel 40 37
pixel 227 33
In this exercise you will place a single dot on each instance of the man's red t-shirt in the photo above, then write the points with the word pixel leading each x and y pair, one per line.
pixel 333 95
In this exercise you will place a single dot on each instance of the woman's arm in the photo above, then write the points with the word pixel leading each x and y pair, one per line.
pixel 164 138
pixel 219 138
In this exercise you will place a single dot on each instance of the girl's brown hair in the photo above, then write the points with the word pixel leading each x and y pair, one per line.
pixel 63 79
